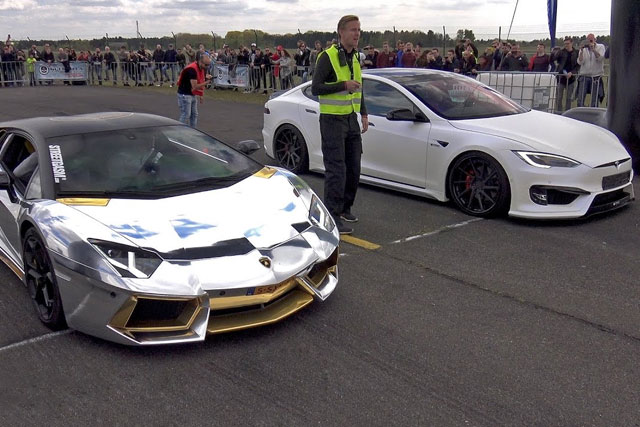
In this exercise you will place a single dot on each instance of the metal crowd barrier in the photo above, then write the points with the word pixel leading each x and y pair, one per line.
pixel 13 73
pixel 548 91
pixel 541 91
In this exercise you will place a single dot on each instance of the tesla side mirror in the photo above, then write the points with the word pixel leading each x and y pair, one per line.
pixel 5 181
pixel 249 146
pixel 406 115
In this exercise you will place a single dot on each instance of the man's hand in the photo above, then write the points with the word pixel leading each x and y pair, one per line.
pixel 200 99
pixel 569 74
pixel 365 123
pixel 351 86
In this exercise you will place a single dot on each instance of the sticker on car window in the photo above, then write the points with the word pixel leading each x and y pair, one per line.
pixel 57 164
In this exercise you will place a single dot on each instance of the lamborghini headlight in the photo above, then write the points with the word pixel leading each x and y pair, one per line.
pixel 319 215
pixel 546 161
pixel 129 261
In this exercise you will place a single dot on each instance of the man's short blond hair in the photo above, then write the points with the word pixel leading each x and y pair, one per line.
pixel 345 20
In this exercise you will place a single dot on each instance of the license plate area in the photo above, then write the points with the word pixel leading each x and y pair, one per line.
pixel 261 290
pixel 613 181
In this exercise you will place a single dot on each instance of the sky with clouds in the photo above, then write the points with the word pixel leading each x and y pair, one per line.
pixel 56 19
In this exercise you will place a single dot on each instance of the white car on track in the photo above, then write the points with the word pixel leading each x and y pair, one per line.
pixel 448 137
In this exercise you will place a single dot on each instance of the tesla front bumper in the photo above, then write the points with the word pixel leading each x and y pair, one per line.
pixel 560 192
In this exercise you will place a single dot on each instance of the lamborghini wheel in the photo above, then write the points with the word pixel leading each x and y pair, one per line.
pixel 41 281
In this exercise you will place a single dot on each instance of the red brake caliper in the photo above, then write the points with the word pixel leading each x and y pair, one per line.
pixel 468 180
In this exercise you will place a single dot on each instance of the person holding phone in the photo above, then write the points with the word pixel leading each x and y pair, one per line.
pixel 191 84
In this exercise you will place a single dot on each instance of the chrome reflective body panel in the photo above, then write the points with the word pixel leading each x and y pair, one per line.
pixel 257 233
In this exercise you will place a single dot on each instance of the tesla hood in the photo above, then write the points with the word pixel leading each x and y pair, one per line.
pixel 551 133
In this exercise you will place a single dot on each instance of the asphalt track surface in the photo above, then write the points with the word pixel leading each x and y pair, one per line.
pixel 473 322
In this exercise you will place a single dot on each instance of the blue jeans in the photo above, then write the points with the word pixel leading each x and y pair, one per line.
pixel 188 109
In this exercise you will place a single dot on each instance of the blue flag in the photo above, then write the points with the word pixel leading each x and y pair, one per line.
pixel 552 13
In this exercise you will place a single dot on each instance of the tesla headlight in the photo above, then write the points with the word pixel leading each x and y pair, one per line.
pixel 544 160
pixel 129 261
pixel 319 215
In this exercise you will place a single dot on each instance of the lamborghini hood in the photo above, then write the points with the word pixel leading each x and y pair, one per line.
pixel 262 212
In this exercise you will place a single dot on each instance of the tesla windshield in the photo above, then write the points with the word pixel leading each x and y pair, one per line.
pixel 458 98
pixel 148 162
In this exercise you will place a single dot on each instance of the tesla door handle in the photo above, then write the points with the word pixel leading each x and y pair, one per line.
pixel 310 111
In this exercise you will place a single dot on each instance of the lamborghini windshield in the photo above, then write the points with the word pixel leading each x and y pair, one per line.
pixel 455 97
pixel 149 162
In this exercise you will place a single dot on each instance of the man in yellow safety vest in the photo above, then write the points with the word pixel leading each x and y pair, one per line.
pixel 337 81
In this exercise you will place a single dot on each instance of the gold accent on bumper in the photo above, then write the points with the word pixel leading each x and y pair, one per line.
pixel 83 201
pixel 123 323
pixel 265 172
pixel 222 303
pixel 287 305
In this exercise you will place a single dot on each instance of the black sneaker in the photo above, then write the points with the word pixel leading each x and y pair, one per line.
pixel 343 229
pixel 348 216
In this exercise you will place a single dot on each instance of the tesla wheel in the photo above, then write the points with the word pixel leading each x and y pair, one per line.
pixel 41 281
pixel 291 149
pixel 478 185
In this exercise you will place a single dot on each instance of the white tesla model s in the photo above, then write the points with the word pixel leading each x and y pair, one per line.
pixel 448 137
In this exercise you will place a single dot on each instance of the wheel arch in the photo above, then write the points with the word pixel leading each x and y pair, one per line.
pixel 467 151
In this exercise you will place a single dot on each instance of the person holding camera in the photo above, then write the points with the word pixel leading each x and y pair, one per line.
pixel 191 84
pixel 591 61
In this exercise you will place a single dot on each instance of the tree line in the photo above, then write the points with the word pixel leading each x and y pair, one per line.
pixel 289 41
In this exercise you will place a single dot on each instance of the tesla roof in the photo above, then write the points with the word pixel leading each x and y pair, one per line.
pixel 48 127
pixel 401 72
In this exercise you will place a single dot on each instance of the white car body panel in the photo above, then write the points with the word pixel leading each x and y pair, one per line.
pixel 415 157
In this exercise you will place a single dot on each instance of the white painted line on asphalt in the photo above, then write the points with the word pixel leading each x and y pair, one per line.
pixel 35 340
pixel 438 231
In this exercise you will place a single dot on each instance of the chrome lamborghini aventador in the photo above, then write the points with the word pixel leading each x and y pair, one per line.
pixel 140 230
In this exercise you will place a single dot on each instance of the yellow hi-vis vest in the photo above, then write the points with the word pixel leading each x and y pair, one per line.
pixel 343 102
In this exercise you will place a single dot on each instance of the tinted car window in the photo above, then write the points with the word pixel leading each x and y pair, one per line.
pixel 380 98
pixel 149 162
pixel 307 92
pixel 456 98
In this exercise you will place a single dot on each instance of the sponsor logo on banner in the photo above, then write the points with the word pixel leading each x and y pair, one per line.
pixel 55 71
pixel 231 76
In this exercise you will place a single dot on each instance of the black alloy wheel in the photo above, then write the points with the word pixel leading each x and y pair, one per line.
pixel 41 281
pixel 291 149
pixel 478 185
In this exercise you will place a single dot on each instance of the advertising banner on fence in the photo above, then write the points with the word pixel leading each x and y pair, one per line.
pixel 230 76
pixel 55 71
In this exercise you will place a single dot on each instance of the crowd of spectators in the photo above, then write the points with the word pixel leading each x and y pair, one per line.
pixel 276 68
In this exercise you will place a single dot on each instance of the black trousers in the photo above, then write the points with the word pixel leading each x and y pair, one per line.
pixel 341 153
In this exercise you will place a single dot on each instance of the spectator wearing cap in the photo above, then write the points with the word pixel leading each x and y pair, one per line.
pixel 371 58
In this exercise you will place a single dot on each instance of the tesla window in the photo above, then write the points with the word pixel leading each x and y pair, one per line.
pixel 457 98
pixel 380 98
pixel 147 162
